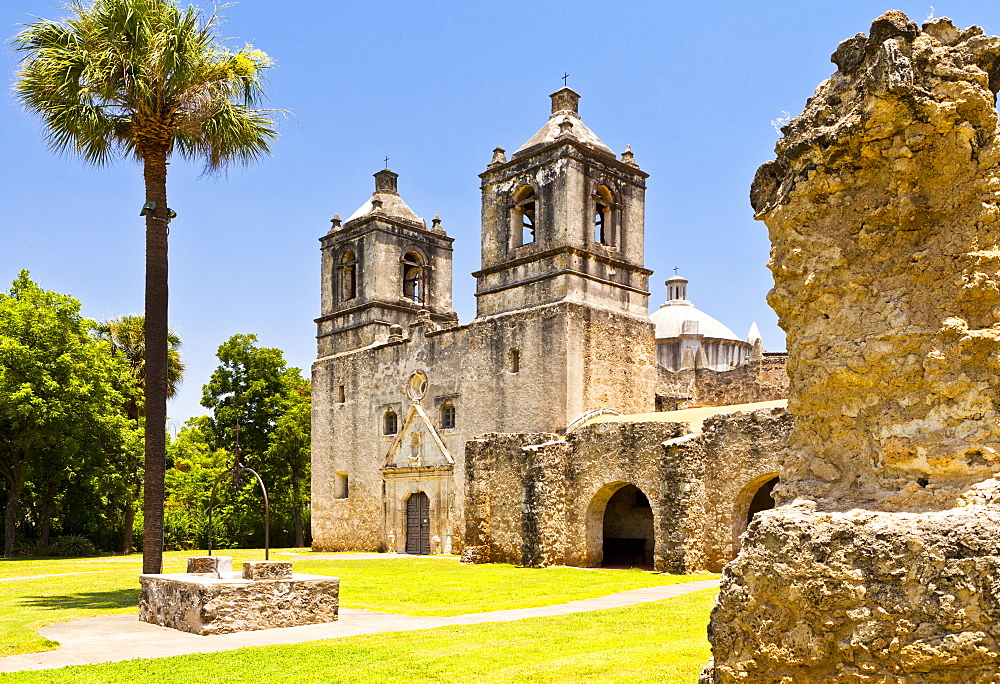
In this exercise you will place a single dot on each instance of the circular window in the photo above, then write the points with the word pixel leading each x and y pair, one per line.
pixel 416 386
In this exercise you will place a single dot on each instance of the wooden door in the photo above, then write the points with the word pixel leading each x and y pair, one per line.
pixel 418 524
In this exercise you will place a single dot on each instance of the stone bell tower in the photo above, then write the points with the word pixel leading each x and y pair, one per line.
pixel 382 268
pixel 562 292
pixel 563 221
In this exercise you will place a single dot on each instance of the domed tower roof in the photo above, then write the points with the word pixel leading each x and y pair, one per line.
pixel 387 202
pixel 678 316
pixel 564 122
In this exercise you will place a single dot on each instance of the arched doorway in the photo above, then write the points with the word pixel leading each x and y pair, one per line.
pixel 755 497
pixel 627 537
pixel 762 499
pixel 418 524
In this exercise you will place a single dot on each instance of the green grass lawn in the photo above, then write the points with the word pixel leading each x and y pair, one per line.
pixel 424 586
pixel 660 642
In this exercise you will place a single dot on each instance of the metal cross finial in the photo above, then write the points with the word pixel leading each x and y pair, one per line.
pixel 386 162
pixel 564 77
pixel 675 270
pixel 236 434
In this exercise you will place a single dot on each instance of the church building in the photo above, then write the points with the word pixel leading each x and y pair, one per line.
pixel 562 333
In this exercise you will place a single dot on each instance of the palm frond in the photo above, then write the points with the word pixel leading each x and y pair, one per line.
pixel 119 76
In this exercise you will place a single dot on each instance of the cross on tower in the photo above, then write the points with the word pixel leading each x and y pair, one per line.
pixel 675 270
pixel 564 77
pixel 386 162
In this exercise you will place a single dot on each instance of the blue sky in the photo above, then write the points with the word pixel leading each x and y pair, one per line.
pixel 693 87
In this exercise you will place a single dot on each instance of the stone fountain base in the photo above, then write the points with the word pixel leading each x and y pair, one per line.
pixel 212 599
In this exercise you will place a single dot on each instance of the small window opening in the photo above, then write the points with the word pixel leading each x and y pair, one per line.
pixel 341 394
pixel 515 360
pixel 447 416
pixel 528 223
pixel 414 284
pixel 348 276
pixel 340 486
pixel 602 215
pixel 390 423
pixel 524 214
pixel 599 216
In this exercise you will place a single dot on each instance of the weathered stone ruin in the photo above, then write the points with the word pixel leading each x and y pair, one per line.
pixel 652 490
pixel 882 207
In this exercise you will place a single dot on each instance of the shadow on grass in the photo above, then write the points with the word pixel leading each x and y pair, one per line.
pixel 119 598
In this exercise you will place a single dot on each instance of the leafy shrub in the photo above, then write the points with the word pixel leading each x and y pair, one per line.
pixel 73 545
pixel 27 548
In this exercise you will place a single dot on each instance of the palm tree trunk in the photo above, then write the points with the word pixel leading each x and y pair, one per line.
pixel 155 176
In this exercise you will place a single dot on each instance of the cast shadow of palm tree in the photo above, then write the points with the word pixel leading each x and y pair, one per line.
pixel 118 598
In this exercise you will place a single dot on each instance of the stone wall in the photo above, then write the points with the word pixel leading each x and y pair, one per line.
pixel 540 499
pixel 882 207
pixel 763 380
pixel 742 452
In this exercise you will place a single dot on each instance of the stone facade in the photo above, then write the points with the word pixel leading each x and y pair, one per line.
pixel 546 499
pixel 562 331
pixel 882 207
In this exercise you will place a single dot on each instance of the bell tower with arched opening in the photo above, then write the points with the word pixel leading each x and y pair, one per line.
pixel 381 268
pixel 563 220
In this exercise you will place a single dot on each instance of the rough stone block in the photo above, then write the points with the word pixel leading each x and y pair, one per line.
pixel 267 570
pixel 476 554
pixel 202 604
pixel 215 564
pixel 861 596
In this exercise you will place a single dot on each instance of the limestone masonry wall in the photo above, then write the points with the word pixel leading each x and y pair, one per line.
pixel 541 499
pixel 882 208
pixel 761 380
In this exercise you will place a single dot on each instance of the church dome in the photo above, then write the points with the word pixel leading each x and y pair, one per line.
pixel 678 315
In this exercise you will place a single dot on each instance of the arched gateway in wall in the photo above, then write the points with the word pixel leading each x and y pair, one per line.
pixel 620 527
pixel 752 499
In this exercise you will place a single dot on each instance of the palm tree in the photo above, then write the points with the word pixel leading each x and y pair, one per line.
pixel 144 79
pixel 127 337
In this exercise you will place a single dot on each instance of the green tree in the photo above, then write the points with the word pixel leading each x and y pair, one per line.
pixel 196 465
pixel 145 79
pixel 253 388
pixel 289 454
pixel 127 336
pixel 61 393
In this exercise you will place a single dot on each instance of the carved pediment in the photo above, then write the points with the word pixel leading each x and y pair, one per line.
pixel 418 443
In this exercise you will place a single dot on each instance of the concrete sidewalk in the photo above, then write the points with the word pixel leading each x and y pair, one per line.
pixel 112 638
